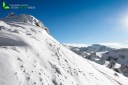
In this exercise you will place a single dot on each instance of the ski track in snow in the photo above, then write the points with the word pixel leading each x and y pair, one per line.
pixel 105 74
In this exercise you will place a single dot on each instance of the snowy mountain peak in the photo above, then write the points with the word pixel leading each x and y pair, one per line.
pixel 24 18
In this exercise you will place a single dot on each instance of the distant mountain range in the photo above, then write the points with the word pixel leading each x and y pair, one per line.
pixel 103 55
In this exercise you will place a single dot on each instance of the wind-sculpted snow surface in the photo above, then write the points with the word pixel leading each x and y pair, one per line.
pixel 30 56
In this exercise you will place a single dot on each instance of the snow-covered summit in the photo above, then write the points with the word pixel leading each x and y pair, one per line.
pixel 24 18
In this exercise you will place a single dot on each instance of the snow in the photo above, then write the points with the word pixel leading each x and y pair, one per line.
pixel 30 56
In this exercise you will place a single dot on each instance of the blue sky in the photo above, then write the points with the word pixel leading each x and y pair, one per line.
pixel 80 21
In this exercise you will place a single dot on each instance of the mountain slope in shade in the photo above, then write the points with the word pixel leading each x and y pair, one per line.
pixel 30 56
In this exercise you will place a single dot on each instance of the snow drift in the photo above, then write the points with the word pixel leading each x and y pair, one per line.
pixel 30 56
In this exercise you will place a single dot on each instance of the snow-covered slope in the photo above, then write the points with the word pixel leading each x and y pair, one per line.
pixel 30 56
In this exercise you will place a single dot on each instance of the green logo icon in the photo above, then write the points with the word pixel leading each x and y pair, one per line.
pixel 5 6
